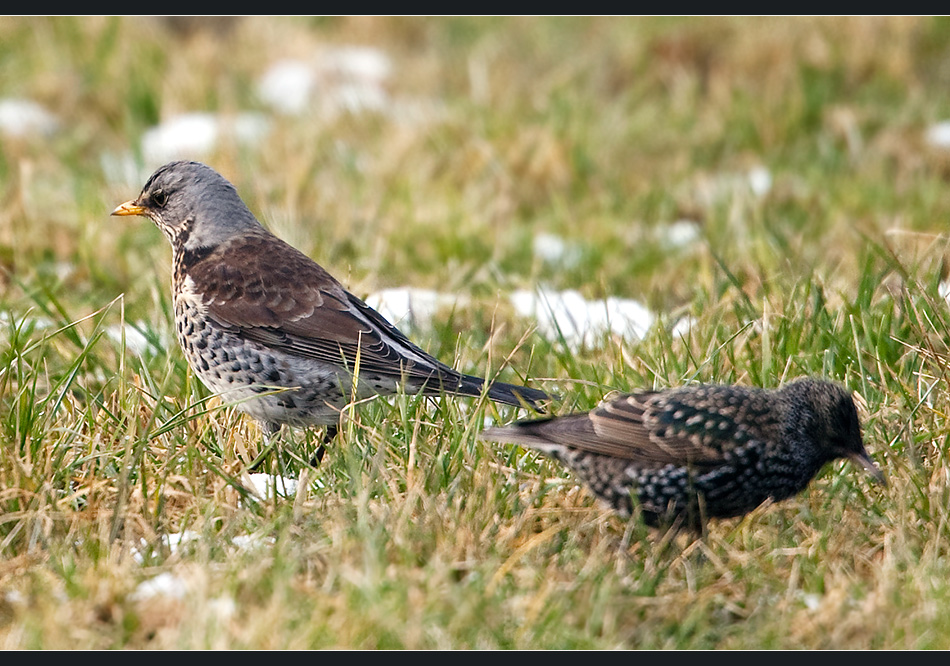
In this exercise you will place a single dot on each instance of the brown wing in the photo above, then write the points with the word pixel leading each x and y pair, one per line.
pixel 643 426
pixel 267 291
pixel 697 425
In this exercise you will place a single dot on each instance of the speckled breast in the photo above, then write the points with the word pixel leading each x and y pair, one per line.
pixel 266 384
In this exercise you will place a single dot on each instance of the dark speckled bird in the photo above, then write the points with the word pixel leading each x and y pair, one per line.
pixel 706 451
pixel 254 314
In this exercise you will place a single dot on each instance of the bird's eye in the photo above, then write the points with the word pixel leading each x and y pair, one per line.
pixel 159 198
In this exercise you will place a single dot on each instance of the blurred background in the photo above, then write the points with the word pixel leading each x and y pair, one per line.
pixel 472 154
pixel 598 158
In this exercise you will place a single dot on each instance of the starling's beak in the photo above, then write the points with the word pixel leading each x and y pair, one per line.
pixel 129 208
pixel 864 460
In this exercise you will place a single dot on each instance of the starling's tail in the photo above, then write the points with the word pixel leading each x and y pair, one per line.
pixel 521 433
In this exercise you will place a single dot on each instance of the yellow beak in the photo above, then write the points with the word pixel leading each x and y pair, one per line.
pixel 129 208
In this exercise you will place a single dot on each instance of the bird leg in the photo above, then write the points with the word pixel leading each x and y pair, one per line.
pixel 270 431
pixel 321 451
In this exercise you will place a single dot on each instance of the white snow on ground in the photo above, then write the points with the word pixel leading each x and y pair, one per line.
pixel 582 323
pixel 938 135
pixel 287 86
pixel 683 326
pixel 135 341
pixel 756 181
pixel 22 117
pixel 409 308
pixel 192 135
pixel 760 180
pixel 944 290
pixel 552 249
pixel 165 584
pixel 678 234
pixel 264 485
pixel 348 78
pixel 341 80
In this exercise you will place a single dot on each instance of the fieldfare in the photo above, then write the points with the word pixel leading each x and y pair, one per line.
pixel 266 327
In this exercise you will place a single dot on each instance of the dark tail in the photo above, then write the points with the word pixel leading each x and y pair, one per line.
pixel 509 394
pixel 518 395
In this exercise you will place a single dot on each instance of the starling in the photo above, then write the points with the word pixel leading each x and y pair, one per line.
pixel 707 451
pixel 266 327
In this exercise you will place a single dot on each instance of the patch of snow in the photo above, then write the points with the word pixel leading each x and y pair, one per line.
pixel 583 323
pixel 683 326
pixel 681 233
pixel 760 180
pixel 248 541
pixel 193 135
pixel 165 585
pixel 811 600
pixel 287 86
pixel 22 117
pixel 264 485
pixel 135 341
pixel 409 308
pixel 756 181
pixel 938 135
pixel 347 78
pixel 552 249
pixel 360 63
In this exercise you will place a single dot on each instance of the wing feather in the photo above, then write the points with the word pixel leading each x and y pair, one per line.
pixel 301 309
pixel 694 426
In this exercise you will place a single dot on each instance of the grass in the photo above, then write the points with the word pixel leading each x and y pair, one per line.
pixel 120 474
